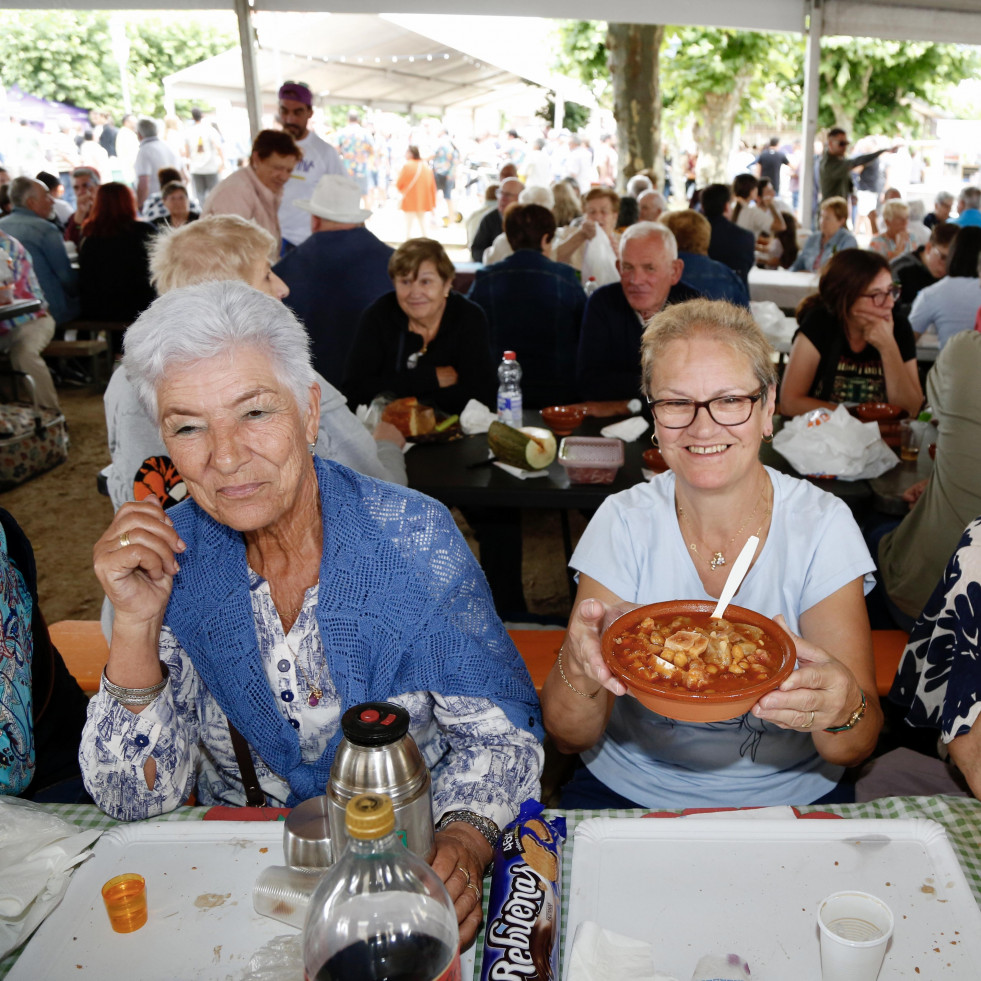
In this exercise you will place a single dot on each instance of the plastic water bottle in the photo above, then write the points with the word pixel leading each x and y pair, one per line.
pixel 509 390
pixel 591 286
pixel 380 912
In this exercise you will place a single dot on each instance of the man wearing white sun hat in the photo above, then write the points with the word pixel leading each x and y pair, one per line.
pixel 339 271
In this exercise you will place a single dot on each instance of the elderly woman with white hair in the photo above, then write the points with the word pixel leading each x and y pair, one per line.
pixel 285 591
pixel 215 248
pixel 895 240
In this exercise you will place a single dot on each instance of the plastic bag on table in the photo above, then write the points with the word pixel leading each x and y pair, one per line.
pixel 599 261
pixel 834 444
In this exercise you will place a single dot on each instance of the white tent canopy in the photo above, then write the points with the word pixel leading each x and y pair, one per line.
pixel 952 21
pixel 397 63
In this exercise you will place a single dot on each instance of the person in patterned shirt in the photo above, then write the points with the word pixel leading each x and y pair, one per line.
pixel 23 338
pixel 357 150
pixel 285 591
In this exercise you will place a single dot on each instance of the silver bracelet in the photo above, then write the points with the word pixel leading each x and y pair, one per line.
pixel 135 696
pixel 485 826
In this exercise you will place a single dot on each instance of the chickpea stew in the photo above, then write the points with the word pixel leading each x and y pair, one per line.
pixel 695 653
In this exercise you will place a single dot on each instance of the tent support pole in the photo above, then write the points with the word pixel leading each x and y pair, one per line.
pixel 814 26
pixel 247 40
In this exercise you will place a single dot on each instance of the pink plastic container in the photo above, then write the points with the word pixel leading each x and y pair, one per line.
pixel 591 459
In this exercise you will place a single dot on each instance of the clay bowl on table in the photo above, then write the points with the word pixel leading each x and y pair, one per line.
pixel 675 701
pixel 564 419
pixel 878 411
pixel 654 461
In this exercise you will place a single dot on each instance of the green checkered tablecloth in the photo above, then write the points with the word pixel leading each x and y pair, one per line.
pixel 960 816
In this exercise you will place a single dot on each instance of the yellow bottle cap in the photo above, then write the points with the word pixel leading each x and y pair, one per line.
pixel 370 816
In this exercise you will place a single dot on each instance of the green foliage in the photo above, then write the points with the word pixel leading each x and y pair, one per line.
pixel 867 83
pixel 574 116
pixel 67 56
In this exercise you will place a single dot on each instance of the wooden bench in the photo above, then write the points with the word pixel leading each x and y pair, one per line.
pixel 93 350
pixel 539 648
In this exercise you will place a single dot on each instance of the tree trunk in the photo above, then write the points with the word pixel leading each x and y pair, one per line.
pixel 713 132
pixel 634 50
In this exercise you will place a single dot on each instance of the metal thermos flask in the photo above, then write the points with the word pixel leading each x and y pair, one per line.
pixel 377 755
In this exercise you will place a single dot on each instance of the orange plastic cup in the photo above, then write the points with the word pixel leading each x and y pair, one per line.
pixel 125 899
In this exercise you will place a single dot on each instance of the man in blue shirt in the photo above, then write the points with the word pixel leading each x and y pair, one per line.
pixel 28 223
pixel 336 274
pixel 968 205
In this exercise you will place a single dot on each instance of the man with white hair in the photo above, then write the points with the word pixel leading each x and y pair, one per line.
pixel 651 205
pixel 501 248
pixel 942 204
pixel 638 184
pixel 608 361
pixel 337 273
pixel 968 204
pixel 152 155
pixel 492 224
pixel 28 223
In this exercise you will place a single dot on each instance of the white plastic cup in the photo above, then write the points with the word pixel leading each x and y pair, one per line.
pixel 284 893
pixel 855 931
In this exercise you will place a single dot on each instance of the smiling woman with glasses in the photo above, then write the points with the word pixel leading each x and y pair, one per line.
pixel 710 380
pixel 852 345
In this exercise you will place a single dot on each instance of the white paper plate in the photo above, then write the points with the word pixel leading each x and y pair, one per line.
pixel 201 925
pixel 753 887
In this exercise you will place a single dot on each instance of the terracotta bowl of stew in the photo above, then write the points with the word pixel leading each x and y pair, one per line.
pixel 766 656
pixel 564 419
pixel 878 411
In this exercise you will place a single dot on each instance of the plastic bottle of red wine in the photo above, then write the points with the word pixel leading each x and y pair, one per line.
pixel 380 913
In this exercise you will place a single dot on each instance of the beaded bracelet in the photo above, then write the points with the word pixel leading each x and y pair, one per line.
pixel 135 696
pixel 853 721
pixel 570 684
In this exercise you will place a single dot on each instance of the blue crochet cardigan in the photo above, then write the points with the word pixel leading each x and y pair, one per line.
pixel 402 606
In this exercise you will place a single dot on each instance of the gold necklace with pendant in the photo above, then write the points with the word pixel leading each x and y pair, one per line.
pixel 718 558
pixel 316 691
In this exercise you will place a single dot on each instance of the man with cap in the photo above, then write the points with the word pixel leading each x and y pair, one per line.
pixel 319 158
pixel 339 271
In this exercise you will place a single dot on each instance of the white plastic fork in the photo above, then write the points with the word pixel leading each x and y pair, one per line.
pixel 736 575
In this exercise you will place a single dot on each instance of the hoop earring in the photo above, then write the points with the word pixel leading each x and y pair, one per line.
pixel 654 441
pixel 768 437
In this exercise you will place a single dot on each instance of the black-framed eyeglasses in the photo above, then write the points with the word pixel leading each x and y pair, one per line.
pixel 879 297
pixel 727 410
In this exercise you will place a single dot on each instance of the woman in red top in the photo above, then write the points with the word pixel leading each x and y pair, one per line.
pixel 418 187
pixel 114 265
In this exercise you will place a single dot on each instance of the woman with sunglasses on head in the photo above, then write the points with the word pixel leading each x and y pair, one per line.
pixel 851 345
pixel 711 383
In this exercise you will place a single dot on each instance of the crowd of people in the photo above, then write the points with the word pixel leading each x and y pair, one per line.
pixel 266 569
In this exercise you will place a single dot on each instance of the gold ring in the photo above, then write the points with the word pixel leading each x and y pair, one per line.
pixel 460 868
pixel 809 723
pixel 476 892
pixel 124 539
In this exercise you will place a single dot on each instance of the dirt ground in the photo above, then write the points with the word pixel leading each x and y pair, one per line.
pixel 63 514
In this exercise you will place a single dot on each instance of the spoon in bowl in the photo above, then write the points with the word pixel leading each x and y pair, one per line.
pixel 736 575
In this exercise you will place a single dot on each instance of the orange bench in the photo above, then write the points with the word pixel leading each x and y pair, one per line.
pixel 83 649
pixel 85 652
pixel 538 649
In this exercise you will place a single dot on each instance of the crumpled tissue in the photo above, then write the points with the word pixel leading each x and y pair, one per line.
pixel 38 852
pixel 834 444
pixel 628 429
pixel 602 955
pixel 476 418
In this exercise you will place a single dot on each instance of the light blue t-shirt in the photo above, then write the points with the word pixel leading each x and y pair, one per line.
pixel 951 305
pixel 634 547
